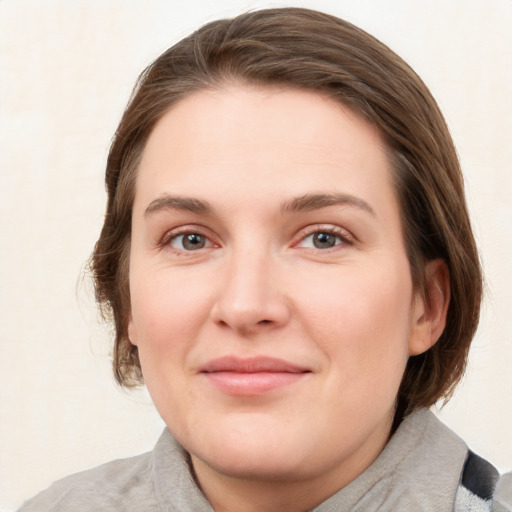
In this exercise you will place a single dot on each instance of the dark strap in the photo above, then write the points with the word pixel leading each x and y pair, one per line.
pixel 479 476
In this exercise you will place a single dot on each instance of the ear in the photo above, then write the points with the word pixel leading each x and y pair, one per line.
pixel 132 332
pixel 430 308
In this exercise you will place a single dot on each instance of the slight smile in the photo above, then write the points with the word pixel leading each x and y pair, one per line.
pixel 251 376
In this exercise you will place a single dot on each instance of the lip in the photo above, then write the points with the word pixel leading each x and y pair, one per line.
pixel 251 376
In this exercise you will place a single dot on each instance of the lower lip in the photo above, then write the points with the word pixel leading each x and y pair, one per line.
pixel 252 384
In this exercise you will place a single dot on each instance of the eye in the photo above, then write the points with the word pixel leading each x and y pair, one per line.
pixel 189 242
pixel 323 239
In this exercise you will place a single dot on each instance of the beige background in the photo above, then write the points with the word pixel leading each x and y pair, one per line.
pixel 66 70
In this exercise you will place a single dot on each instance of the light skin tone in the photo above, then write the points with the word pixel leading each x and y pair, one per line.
pixel 271 297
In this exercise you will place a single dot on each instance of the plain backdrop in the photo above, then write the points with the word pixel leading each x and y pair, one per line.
pixel 66 70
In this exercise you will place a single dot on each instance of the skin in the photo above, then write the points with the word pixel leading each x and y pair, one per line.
pixel 255 281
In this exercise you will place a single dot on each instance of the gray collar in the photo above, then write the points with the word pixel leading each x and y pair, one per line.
pixel 418 470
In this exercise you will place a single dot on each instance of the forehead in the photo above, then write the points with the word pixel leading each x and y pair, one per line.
pixel 262 142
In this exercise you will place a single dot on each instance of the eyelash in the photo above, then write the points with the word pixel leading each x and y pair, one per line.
pixel 173 235
pixel 343 236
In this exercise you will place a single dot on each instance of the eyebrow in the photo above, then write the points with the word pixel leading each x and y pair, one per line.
pixel 188 204
pixel 307 202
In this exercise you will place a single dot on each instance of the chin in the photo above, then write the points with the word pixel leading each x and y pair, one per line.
pixel 255 452
pixel 247 465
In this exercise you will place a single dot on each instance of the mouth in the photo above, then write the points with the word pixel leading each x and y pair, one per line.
pixel 251 376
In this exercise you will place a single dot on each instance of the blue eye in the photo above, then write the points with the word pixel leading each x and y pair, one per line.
pixel 189 242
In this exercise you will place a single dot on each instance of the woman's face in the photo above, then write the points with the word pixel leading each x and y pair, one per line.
pixel 272 302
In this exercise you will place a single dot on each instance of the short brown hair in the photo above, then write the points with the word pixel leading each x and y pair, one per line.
pixel 304 49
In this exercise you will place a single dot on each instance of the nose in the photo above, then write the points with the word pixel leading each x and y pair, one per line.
pixel 251 297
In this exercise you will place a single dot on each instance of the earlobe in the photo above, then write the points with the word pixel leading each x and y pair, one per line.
pixel 430 308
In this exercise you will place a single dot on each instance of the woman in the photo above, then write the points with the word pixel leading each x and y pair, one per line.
pixel 289 264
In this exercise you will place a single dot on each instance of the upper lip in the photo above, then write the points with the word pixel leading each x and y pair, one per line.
pixel 260 364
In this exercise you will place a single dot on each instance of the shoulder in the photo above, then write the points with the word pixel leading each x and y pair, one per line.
pixel 111 486
pixel 157 480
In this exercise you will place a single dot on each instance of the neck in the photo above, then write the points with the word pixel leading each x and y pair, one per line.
pixel 277 493
pixel 228 494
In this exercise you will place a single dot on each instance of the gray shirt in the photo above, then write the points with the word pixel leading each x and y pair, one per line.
pixel 419 470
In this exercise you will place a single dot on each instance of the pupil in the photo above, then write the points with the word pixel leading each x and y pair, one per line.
pixel 193 241
pixel 323 240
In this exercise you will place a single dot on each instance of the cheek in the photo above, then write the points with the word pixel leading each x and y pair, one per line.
pixel 167 313
pixel 167 316
pixel 361 320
